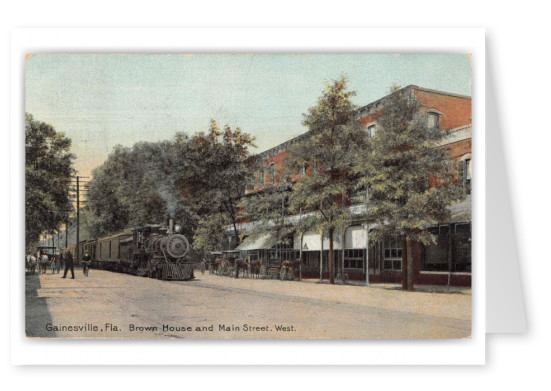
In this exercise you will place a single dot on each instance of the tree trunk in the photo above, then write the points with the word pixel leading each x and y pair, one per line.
pixel 236 233
pixel 410 269
pixel 229 209
pixel 331 257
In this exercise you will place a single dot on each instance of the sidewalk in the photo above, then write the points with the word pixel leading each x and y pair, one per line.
pixel 418 288
pixel 380 296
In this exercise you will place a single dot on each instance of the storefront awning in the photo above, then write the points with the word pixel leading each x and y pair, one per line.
pixel 355 238
pixel 263 242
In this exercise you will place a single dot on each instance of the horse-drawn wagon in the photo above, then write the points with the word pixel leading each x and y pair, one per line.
pixel 227 264
pixel 48 259
pixel 284 269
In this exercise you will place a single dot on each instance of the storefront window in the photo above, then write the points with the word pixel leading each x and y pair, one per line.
pixel 353 259
pixel 436 255
pixel 452 251
pixel 392 260
pixel 462 250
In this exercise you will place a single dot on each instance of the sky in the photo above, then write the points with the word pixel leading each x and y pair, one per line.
pixel 101 100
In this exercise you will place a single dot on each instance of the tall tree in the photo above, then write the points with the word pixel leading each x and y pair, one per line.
pixel 336 143
pixel 48 169
pixel 217 173
pixel 410 181
pixel 134 186
pixel 110 213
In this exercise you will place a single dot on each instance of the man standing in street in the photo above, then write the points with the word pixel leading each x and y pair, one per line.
pixel 69 264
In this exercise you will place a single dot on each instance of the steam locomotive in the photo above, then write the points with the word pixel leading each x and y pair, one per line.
pixel 155 251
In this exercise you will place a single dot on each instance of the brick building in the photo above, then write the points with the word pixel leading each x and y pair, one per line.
pixel 449 261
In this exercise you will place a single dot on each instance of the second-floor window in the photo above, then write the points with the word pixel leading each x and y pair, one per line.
pixel 358 196
pixel 272 174
pixel 371 129
pixel 261 178
pixel 465 174
pixel 433 120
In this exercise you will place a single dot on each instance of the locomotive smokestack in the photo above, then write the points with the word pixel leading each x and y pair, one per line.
pixel 171 225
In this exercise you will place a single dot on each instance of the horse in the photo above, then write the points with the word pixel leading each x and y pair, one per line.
pixel 30 263
pixel 256 268
pixel 216 266
pixel 244 265
pixel 44 263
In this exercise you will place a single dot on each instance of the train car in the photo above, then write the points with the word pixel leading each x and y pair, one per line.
pixel 107 251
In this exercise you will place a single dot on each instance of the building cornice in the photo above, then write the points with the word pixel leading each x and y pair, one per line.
pixel 363 111
pixel 279 148
pixel 377 106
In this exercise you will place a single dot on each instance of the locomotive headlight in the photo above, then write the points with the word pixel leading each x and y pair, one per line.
pixel 177 228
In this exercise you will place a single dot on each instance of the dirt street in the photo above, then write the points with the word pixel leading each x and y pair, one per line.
pixel 112 305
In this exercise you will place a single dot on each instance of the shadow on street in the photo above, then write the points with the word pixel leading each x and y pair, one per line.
pixel 36 309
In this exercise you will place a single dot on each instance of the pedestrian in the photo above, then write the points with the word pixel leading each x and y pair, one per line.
pixel 203 266
pixel 69 264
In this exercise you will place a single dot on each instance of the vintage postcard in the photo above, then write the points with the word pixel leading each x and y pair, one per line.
pixel 248 196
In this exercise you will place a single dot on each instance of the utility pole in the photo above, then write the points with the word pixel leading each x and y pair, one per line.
pixel 78 221
pixel 321 255
pixel 76 198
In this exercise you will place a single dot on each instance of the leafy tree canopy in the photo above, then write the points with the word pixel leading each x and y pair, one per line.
pixel 216 172
pixel 48 169
pixel 335 144
pixel 133 187
pixel 209 235
pixel 411 181
pixel 187 178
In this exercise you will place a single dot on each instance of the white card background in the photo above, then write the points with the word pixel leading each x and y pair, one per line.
pixel 439 352
pixel 505 312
